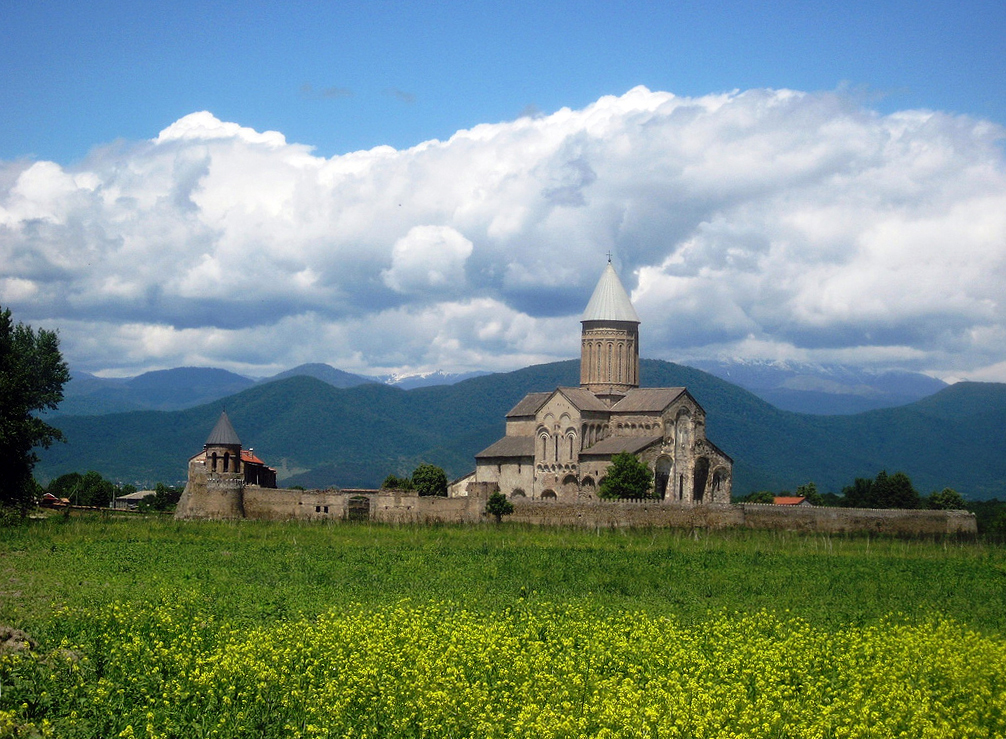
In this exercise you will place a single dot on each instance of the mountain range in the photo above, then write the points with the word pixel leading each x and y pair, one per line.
pixel 319 435
pixel 800 387
pixel 823 389
pixel 187 387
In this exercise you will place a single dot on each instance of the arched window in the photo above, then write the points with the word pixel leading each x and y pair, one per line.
pixel 227 461
pixel 213 464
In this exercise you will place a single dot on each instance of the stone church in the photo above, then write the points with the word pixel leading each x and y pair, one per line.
pixel 559 444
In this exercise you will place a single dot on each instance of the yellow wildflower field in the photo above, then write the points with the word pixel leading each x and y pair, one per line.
pixel 170 669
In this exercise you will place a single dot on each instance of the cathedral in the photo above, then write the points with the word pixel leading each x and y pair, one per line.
pixel 559 444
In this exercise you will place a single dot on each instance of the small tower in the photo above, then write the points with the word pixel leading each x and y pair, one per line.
pixel 215 488
pixel 609 340
pixel 223 448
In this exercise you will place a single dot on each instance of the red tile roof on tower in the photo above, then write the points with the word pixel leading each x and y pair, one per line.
pixel 248 456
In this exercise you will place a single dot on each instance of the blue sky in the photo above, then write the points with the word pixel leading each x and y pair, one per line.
pixel 342 76
pixel 408 187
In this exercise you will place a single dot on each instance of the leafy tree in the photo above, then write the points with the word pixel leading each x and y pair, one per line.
pixel 886 491
pixel 65 486
pixel 809 491
pixel 894 491
pixel 429 479
pixel 859 494
pixel 834 500
pixel 165 498
pixel 498 506
pixel 996 530
pixel 627 478
pixel 947 499
pixel 32 375
pixel 89 489
pixel 394 482
pixel 762 496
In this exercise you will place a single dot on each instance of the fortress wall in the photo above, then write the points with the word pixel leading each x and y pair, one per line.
pixel 627 514
pixel 405 507
pixel 273 504
pixel 400 507
pixel 849 520
pixel 212 496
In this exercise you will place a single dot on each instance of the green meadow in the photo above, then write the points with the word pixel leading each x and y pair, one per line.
pixel 147 626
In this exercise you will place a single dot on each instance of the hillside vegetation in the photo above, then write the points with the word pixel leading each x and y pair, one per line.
pixel 319 435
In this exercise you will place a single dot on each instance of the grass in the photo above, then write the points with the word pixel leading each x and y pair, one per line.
pixel 151 627
pixel 255 571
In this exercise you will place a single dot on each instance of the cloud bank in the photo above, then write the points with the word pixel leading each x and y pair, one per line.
pixel 763 224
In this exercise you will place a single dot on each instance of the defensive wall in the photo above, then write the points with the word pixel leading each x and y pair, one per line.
pixel 400 507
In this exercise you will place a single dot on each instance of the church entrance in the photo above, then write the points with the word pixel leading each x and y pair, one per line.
pixel 701 477
pixel 661 476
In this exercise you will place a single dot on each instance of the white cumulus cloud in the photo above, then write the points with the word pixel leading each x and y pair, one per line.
pixel 774 223
pixel 428 259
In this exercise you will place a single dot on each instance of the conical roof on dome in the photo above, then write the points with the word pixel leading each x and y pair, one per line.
pixel 223 434
pixel 610 302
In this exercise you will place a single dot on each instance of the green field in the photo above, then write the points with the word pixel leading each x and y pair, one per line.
pixel 150 627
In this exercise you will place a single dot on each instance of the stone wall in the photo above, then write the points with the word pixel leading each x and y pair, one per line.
pixel 848 520
pixel 402 507
pixel 626 514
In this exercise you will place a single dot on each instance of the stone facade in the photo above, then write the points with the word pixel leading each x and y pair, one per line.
pixel 558 445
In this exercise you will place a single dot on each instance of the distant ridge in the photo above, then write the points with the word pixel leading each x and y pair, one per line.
pixel 169 390
pixel 823 389
pixel 356 436
pixel 325 373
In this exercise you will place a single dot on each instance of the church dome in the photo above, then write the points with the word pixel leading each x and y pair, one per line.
pixel 610 302
pixel 223 434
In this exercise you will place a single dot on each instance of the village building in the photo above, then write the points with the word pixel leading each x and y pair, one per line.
pixel 559 444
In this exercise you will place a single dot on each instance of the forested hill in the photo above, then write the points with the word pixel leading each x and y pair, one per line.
pixel 355 436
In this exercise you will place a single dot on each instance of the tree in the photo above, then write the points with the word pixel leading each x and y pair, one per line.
pixel 90 489
pixel 627 478
pixel 165 498
pixel 498 506
pixel 429 479
pixel 394 482
pixel 886 491
pixel 894 491
pixel 32 375
pixel 859 494
pixel 809 491
pixel 762 496
pixel 947 499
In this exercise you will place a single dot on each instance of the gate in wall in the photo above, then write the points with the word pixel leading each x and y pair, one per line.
pixel 358 508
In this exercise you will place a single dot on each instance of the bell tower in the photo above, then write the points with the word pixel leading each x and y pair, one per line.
pixel 609 340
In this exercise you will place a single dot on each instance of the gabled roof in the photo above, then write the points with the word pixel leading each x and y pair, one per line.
pixel 582 399
pixel 610 302
pixel 247 455
pixel 647 399
pixel 788 500
pixel 509 446
pixel 529 404
pixel 223 434
pixel 617 444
